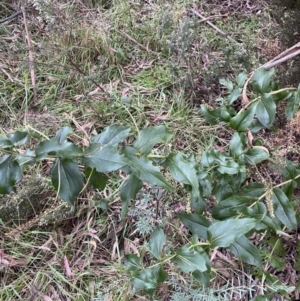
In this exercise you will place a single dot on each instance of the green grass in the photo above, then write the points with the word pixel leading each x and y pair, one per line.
pixel 167 63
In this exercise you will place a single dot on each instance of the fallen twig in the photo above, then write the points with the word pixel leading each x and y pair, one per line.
pixel 280 58
pixel 136 42
pixel 215 27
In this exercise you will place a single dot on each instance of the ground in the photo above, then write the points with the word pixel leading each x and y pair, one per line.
pixel 81 64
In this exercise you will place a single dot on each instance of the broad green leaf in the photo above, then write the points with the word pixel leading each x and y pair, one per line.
pixel 5 143
pixel 254 190
pixel 231 207
pixel 261 81
pixel 133 262
pixel 230 167
pixel 277 262
pixel 227 83
pixel 283 209
pixel 255 126
pixel 157 242
pixel 189 260
pixel 143 169
pixel 145 280
pixel 265 110
pixel 224 233
pixel 26 158
pixel 237 144
pixel 208 157
pixel 162 275
pixel 255 155
pixel 62 134
pixel 214 116
pixel 183 171
pixel 222 188
pixel 97 179
pixel 64 149
pixel 234 95
pixel 245 250
pixel 196 223
pixel 243 119
pixel 67 179
pixel 292 105
pixel 18 138
pixel 241 79
pixel 202 277
pixel 150 136
pixel 103 158
pixel 128 192
pixel 260 213
pixel 10 174
pixel 197 201
pixel 112 135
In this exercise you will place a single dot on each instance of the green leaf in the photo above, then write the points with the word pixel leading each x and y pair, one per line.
pixel 97 179
pixel 214 116
pixel 112 135
pixel 254 190
pixel 189 260
pixel 157 242
pixel 26 158
pixel 203 277
pixel 64 149
pixel 224 233
pixel 10 174
pixel 292 105
pixel 151 136
pixel 241 79
pixel 260 213
pixel 231 207
pixel 283 209
pixel 103 158
pixel 265 110
pixel 143 169
pixel 234 95
pixel 162 275
pixel 128 192
pixel 18 138
pixel 255 155
pixel 237 144
pixel 243 119
pixel 227 83
pixel 230 167
pixel 261 81
pixel 145 280
pixel 133 262
pixel 67 179
pixel 246 251
pixel 62 134
pixel 196 223
pixel 183 171
pixel 5 143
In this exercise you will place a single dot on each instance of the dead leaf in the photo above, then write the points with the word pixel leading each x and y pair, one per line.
pixel 67 268
pixel 250 138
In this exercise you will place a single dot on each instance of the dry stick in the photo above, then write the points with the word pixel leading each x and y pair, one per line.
pixel 280 58
pixel 215 27
pixel 31 59
pixel 136 42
